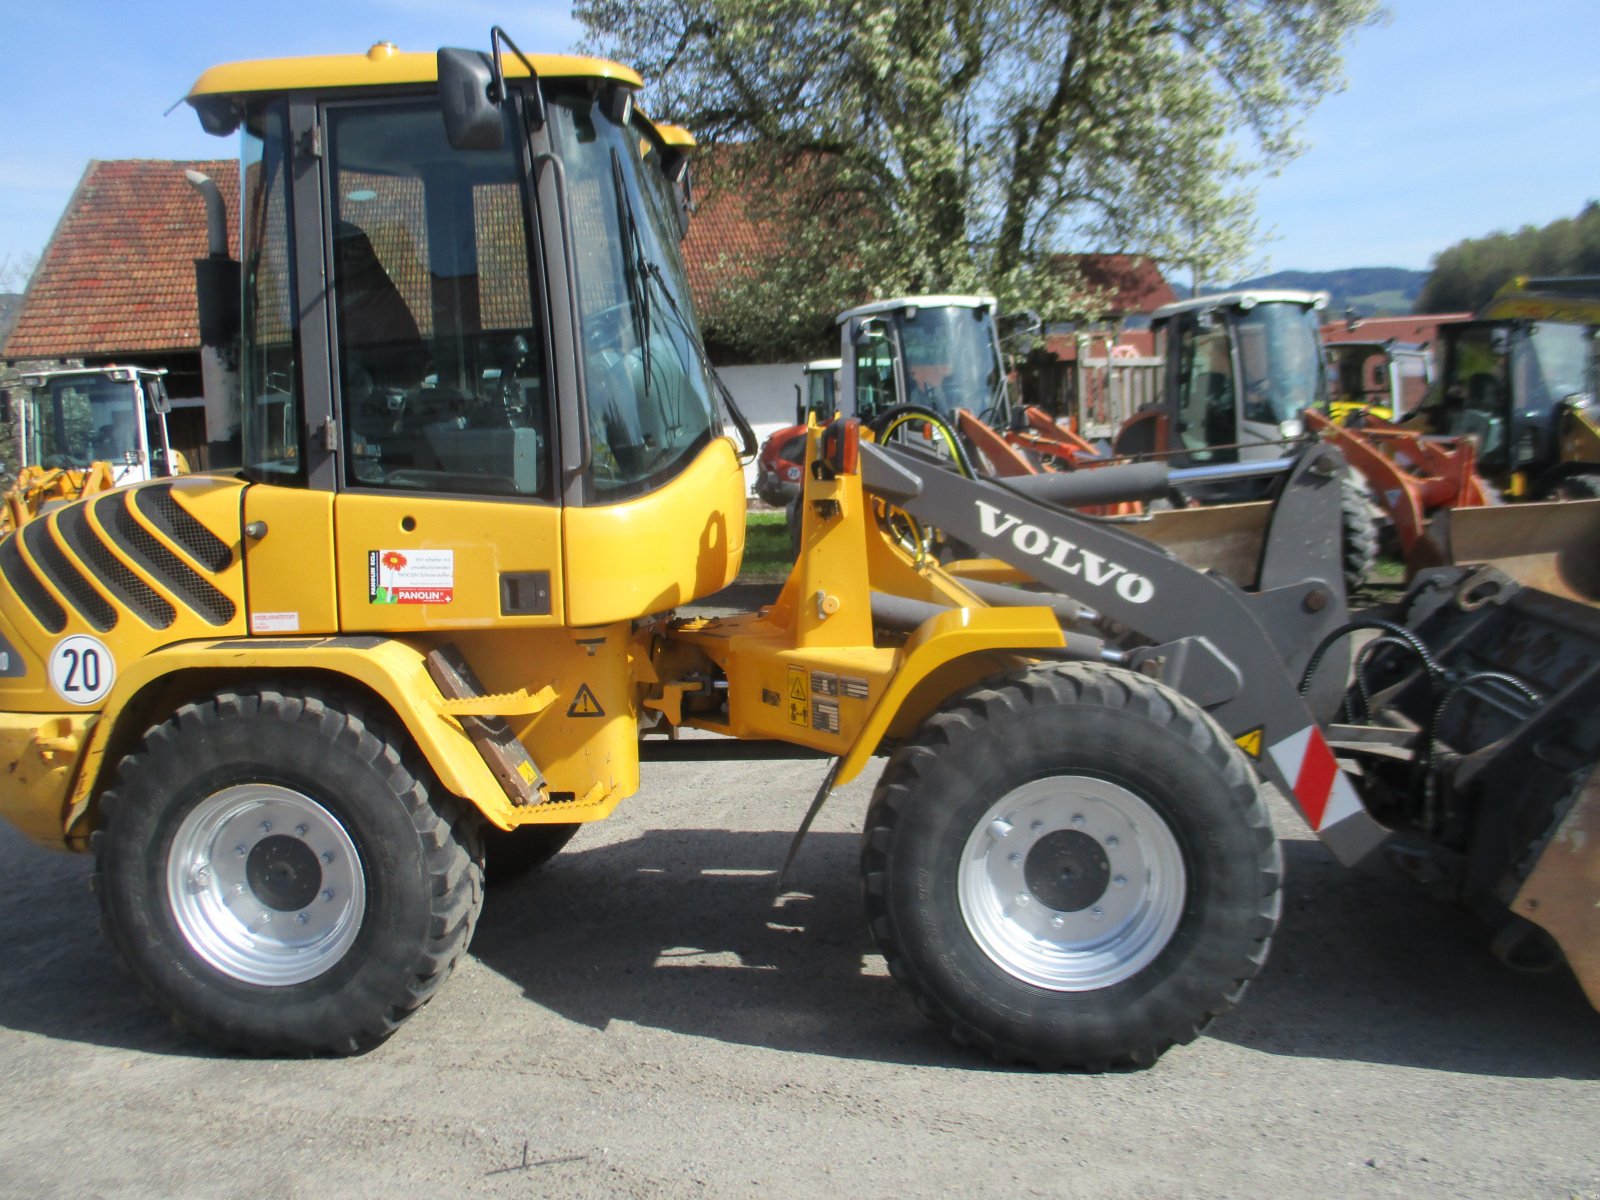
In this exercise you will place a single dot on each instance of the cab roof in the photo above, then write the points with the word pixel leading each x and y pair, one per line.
pixel 898 303
pixel 383 65
pixel 1245 299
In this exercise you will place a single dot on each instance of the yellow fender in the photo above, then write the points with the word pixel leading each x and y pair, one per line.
pixel 393 670
pixel 970 634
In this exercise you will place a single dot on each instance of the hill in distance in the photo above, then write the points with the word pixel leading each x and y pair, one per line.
pixel 1370 291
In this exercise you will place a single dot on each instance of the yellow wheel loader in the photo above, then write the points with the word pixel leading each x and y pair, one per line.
pixel 292 709
pixel 84 430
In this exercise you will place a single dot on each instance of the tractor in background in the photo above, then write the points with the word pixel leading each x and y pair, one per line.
pixel 85 430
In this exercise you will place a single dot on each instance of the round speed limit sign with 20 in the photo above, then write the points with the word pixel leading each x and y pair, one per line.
pixel 82 669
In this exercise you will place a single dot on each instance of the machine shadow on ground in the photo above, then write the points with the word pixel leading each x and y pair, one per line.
pixel 675 930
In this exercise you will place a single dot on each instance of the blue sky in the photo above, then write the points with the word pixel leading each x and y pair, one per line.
pixel 1461 116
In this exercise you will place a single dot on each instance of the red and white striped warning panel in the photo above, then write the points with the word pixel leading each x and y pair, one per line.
pixel 1323 791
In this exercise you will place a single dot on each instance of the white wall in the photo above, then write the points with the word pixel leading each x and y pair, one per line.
pixel 766 396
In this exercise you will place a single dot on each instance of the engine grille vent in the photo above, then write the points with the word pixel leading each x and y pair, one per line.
pixel 139 597
pixel 138 543
pixel 69 581
pixel 29 590
pixel 161 508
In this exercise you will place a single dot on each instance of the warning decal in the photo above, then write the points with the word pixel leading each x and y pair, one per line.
pixel 799 697
pixel 1250 742
pixel 411 576
pixel 584 704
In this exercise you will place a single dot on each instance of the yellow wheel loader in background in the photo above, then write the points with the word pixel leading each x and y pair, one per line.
pixel 83 430
pixel 291 709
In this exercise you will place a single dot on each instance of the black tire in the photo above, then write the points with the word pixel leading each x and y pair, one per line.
pixel 1184 943
pixel 323 807
pixel 1359 519
pixel 512 853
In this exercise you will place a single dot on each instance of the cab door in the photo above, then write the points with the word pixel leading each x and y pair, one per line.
pixel 447 514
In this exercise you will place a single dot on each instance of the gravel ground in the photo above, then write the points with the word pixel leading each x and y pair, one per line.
pixel 639 1019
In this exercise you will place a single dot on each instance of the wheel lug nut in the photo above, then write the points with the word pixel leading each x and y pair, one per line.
pixel 266 918
pixel 1113 842
pixel 300 831
pixel 1058 922
pixel 301 918
pixel 1036 826
pixel 1014 857
pixel 1022 899
pixel 239 851
pixel 1119 881
pixel 1097 913
pixel 327 893
pixel 327 856
pixel 1078 819
pixel 266 827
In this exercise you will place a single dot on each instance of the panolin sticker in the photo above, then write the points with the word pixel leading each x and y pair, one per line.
pixel 82 669
pixel 275 622
pixel 411 576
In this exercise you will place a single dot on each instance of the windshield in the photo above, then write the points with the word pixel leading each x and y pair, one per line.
pixel 649 393
pixel 1550 364
pixel 1280 357
pixel 951 360
pixel 77 421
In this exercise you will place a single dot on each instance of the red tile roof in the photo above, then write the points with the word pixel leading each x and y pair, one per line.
pixel 118 275
pixel 1131 283
pixel 725 237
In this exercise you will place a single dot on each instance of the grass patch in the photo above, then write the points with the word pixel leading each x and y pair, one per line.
pixel 766 548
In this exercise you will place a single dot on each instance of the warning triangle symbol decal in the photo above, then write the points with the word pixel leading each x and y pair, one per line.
pixel 1250 742
pixel 584 704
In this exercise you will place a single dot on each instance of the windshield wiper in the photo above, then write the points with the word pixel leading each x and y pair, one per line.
pixel 746 433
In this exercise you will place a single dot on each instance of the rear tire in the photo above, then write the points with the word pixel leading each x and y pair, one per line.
pixel 1071 866
pixel 1359 519
pixel 279 878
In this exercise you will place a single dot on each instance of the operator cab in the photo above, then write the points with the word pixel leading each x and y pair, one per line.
pixel 939 352
pixel 1505 383
pixel 1240 369
pixel 473 303
pixel 69 420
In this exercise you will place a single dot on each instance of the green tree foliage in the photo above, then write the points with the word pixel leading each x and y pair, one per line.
pixel 958 145
pixel 1467 274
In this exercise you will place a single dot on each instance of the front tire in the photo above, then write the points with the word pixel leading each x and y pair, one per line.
pixel 1071 866
pixel 280 878
pixel 1359 522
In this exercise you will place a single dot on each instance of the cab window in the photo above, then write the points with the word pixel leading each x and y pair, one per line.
pixel 441 354
pixel 1206 408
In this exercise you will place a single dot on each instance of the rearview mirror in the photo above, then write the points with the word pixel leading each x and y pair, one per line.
pixel 871 329
pixel 471 119
pixel 156 392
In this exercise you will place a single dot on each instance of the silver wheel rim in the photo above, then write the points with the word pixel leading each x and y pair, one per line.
pixel 265 884
pixel 1071 883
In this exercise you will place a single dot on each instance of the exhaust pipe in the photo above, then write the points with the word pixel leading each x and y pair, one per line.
pixel 217 295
